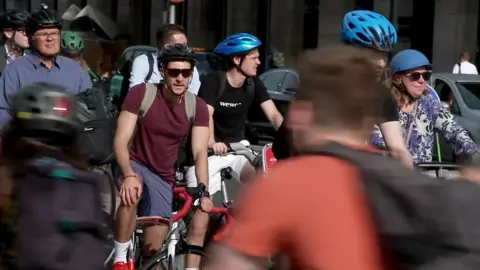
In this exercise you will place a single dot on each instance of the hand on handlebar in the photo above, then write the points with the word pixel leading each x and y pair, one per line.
pixel 206 204
pixel 219 148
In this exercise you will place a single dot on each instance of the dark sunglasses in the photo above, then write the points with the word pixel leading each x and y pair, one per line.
pixel 174 72
pixel 415 76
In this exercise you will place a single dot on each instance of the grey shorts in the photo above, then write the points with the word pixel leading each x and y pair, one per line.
pixel 157 193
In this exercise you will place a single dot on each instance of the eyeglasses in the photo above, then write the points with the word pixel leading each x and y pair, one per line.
pixel 46 35
pixel 174 72
pixel 415 76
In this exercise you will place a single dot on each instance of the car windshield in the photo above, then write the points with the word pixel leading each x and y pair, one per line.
pixel 470 92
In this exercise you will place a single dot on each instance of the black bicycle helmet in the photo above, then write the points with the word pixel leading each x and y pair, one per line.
pixel 13 19
pixel 42 18
pixel 176 52
pixel 45 112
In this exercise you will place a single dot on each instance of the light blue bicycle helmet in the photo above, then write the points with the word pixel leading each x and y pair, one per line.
pixel 368 29
pixel 238 44
pixel 408 60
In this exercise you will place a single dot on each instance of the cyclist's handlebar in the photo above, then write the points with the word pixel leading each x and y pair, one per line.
pixel 189 195
pixel 239 150
pixel 437 165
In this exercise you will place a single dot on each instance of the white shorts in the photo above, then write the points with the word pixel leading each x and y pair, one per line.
pixel 215 165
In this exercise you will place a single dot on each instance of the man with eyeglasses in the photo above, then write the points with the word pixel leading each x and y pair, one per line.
pixel 12 23
pixel 42 64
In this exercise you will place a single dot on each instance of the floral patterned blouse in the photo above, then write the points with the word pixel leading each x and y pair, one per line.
pixel 429 117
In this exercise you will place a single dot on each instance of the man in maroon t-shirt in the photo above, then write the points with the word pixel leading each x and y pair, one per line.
pixel 149 165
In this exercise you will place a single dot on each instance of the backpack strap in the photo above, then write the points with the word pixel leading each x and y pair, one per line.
pixel 459 67
pixel 222 77
pixel 151 63
pixel 148 98
pixel 190 106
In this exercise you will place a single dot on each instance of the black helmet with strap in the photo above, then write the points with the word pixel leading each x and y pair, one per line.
pixel 45 112
pixel 176 52
pixel 40 19
pixel 13 19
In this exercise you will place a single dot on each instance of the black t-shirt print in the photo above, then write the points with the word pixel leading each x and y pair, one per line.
pixel 231 109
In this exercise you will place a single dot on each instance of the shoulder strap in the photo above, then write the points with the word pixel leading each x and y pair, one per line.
pixel 148 98
pixel 222 76
pixel 190 106
pixel 250 86
pixel 151 63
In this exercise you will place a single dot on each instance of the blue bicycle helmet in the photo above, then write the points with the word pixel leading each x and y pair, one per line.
pixel 368 29
pixel 238 44
pixel 408 60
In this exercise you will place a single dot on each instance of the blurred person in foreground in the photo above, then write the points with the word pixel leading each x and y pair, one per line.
pixel 45 187
pixel 334 106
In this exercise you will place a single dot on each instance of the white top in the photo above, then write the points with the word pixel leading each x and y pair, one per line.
pixel 465 68
pixel 140 69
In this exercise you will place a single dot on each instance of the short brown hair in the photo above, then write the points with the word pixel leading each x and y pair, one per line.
pixel 166 31
pixel 465 56
pixel 342 83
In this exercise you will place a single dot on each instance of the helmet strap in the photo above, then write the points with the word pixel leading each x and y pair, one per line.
pixel 239 67
pixel 13 47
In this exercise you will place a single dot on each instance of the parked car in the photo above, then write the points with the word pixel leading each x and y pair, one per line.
pixel 461 94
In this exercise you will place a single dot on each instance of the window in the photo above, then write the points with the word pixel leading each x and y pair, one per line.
pixel 470 92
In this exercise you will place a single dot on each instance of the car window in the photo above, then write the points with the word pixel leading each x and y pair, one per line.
pixel 443 89
pixel 470 92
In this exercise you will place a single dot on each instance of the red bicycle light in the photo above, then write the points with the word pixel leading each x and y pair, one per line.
pixel 62 107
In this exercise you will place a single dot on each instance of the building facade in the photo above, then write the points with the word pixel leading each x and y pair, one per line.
pixel 441 29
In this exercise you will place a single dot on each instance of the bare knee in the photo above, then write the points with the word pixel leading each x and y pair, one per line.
pixel 248 172
pixel 198 228
pixel 154 237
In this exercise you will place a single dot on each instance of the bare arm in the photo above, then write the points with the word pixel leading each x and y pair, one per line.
pixel 211 138
pixel 200 136
pixel 392 135
pixel 272 113
pixel 126 124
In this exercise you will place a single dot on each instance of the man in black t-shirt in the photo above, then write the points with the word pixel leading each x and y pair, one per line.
pixel 229 96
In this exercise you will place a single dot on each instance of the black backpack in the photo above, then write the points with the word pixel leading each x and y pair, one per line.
pixel 59 221
pixel 98 116
pixel 424 223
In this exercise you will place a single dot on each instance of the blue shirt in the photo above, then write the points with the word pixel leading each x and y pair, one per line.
pixel 29 69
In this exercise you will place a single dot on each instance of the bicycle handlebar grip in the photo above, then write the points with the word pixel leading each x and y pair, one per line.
pixel 182 193
pixel 229 222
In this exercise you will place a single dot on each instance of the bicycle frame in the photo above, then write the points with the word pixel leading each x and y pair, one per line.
pixel 173 236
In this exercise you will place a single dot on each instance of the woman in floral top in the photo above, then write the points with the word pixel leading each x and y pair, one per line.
pixel 420 114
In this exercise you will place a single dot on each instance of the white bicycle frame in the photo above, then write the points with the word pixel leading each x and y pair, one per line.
pixel 171 241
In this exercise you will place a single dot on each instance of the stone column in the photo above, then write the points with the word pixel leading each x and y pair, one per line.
pixel 17 4
pixel 330 18
pixel 156 19
pixel 455 30
pixel 204 17
pixel 286 33
pixel 242 16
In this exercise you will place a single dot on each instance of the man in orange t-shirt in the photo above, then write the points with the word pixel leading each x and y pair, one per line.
pixel 312 208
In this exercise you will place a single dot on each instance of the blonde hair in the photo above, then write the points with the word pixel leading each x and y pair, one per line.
pixel 399 92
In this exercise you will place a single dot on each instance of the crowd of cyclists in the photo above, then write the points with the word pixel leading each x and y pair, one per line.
pixel 347 97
